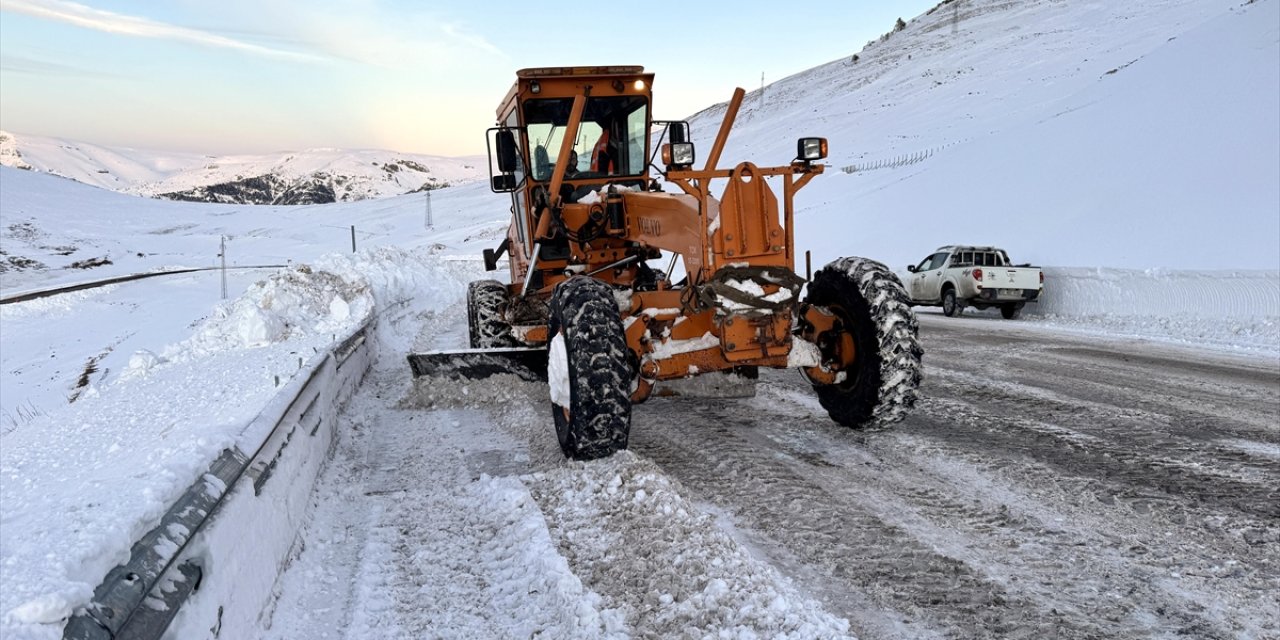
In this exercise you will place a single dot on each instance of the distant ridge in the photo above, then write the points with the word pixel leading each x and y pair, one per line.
pixel 314 176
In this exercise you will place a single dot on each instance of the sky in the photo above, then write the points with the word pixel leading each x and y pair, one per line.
pixel 256 76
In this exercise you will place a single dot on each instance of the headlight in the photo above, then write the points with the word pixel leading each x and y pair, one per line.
pixel 677 154
pixel 810 149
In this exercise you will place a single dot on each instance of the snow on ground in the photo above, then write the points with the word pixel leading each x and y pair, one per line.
pixel 49 224
pixel 88 478
pixel 1224 310
pixel 1057 160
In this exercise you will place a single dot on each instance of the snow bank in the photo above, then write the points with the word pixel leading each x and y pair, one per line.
pixel 1229 295
pixel 1214 308
pixel 84 481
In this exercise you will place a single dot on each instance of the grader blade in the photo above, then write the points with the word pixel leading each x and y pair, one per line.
pixel 476 364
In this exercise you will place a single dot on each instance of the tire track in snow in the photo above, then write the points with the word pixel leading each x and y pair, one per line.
pixel 1147 565
pixel 837 534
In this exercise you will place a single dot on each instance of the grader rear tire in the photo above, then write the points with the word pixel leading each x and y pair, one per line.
pixel 588 370
pixel 871 303
pixel 484 318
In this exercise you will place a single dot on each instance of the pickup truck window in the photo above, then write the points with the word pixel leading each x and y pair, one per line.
pixel 983 259
pixel 935 261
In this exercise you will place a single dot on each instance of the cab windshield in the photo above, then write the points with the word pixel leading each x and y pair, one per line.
pixel 610 142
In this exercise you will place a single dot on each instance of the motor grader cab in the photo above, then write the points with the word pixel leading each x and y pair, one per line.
pixel 595 246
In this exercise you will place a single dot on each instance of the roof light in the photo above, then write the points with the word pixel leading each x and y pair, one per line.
pixel 640 85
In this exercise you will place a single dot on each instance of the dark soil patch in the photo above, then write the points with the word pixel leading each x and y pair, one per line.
pixel 18 263
pixel 89 263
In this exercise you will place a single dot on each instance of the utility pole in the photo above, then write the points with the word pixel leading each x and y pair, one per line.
pixel 222 253
pixel 761 89
pixel 430 222
pixel 955 17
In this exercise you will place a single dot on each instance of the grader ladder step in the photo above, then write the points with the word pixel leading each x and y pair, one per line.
pixel 476 364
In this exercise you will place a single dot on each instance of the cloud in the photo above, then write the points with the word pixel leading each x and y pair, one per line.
pixel 87 17
pixel 18 64
pixel 455 32
pixel 369 34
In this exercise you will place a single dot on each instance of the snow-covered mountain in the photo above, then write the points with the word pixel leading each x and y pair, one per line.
pixel 313 176
pixel 1128 134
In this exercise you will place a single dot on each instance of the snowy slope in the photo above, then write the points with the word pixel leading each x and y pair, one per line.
pixel 347 174
pixel 1132 135
pixel 51 224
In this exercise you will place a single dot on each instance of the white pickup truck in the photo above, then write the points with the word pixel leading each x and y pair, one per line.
pixel 954 277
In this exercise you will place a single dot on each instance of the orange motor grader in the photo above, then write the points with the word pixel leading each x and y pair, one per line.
pixel 595 220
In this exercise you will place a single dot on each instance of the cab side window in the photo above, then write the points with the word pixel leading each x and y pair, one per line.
pixel 937 260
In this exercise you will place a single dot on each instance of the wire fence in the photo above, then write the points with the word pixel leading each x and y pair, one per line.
pixel 896 161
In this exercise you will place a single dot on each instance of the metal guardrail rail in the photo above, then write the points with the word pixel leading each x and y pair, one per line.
pixel 139 599
pixel 94 284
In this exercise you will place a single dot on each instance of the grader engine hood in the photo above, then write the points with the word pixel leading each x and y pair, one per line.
pixel 743 227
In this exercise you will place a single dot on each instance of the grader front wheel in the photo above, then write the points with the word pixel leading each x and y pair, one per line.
pixel 873 342
pixel 484 315
pixel 588 371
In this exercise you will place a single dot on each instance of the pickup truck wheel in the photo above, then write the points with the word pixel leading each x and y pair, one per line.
pixel 1011 311
pixel 588 370
pixel 950 307
pixel 484 318
pixel 870 302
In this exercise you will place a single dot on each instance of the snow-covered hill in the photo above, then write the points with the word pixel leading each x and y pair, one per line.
pixel 1126 134
pixel 313 176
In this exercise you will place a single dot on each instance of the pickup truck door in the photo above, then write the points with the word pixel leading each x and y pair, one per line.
pixel 929 279
pixel 915 285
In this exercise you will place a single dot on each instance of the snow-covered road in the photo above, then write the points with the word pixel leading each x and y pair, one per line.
pixel 1047 486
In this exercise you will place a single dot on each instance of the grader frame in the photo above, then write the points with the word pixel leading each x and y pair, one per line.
pixel 738 307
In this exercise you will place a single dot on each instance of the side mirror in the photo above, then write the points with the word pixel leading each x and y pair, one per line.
pixel 679 132
pixel 506 142
pixel 911 268
pixel 503 183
